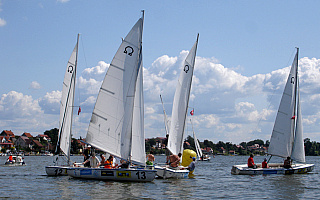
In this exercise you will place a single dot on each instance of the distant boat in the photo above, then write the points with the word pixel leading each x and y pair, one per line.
pixel 16 161
pixel 66 115
pixel 117 123
pixel 200 155
pixel 287 135
pixel 179 113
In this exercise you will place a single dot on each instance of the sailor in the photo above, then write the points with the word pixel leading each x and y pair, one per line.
pixel 174 160
pixel 150 158
pixel 251 162
pixel 287 163
pixel 264 164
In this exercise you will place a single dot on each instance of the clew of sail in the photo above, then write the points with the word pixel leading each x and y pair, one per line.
pixel 110 126
pixel 180 103
pixel 66 104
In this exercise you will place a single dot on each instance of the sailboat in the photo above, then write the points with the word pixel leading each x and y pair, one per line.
pixel 179 114
pixel 287 135
pixel 66 114
pixel 200 155
pixel 117 123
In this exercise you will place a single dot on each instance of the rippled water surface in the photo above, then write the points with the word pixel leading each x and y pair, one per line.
pixel 212 180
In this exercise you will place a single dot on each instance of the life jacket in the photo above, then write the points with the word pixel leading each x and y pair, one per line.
pixel 108 164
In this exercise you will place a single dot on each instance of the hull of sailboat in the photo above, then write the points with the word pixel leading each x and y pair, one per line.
pixel 167 172
pixel 205 159
pixel 57 170
pixel 131 175
pixel 274 168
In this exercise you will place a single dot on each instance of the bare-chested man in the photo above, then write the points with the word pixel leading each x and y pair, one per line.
pixel 174 160
pixel 150 158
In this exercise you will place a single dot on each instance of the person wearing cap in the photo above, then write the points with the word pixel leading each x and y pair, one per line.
pixel 264 164
pixel 192 165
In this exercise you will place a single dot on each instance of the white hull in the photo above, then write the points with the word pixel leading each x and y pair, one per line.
pixel 15 163
pixel 167 172
pixel 205 159
pixel 120 174
pixel 274 168
pixel 57 170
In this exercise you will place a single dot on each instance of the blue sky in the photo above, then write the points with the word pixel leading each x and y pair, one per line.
pixel 244 51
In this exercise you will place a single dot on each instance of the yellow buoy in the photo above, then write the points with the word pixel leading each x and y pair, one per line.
pixel 187 156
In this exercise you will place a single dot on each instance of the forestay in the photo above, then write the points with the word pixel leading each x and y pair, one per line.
pixel 110 126
pixel 180 103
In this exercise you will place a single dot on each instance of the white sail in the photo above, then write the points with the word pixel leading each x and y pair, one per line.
pixel 282 137
pixel 66 104
pixel 110 127
pixel 138 151
pixel 180 103
pixel 196 143
pixel 298 153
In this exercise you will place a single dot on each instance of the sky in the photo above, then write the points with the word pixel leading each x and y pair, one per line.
pixel 244 53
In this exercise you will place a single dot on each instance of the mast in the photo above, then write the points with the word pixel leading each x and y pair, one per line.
pixel 295 98
pixel 165 118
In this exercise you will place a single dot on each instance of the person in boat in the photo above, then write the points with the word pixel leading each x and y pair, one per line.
pixel 10 159
pixel 124 164
pixel 109 163
pixel 174 160
pixel 86 153
pixel 251 162
pixel 92 161
pixel 150 158
pixel 103 160
pixel 202 157
pixel 287 163
pixel 264 164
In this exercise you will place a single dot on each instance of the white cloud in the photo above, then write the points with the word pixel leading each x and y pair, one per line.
pixel 16 105
pixel 35 85
pixel 228 105
pixel 2 22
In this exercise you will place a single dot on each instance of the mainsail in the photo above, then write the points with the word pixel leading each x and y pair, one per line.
pixel 286 139
pixel 66 104
pixel 180 103
pixel 110 127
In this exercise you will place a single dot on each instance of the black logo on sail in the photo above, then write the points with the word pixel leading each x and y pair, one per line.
pixel 186 68
pixel 128 50
pixel 70 69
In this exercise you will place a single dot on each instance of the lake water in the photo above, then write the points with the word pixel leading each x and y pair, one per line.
pixel 212 180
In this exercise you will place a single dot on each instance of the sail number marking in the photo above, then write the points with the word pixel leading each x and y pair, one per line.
pixel 141 175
